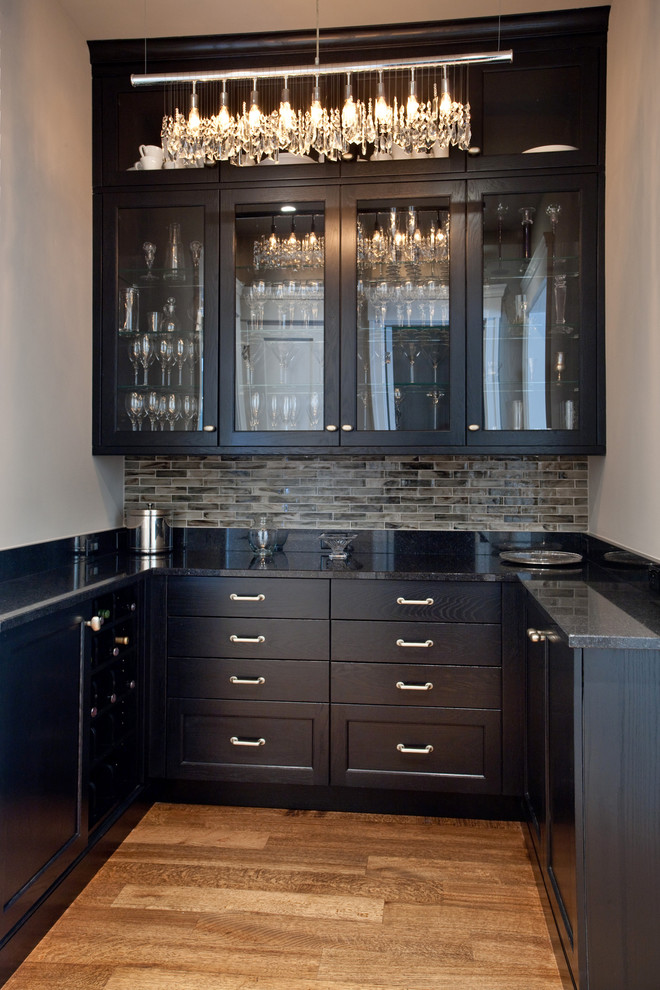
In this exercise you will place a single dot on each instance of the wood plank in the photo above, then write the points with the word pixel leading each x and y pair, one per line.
pixel 213 898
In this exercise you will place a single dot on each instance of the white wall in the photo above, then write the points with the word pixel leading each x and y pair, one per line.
pixel 625 484
pixel 50 486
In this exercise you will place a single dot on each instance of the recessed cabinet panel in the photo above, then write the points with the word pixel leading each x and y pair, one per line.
pixel 440 749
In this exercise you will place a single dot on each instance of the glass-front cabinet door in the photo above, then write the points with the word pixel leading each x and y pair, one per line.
pixel 158 377
pixel 279 314
pixel 402 315
pixel 534 368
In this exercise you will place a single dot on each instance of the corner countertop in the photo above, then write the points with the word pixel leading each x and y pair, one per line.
pixel 593 605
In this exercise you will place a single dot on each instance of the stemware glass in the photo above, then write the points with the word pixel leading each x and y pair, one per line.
pixel 255 402
pixel 147 355
pixel 172 409
pixel 134 404
pixel 314 410
pixel 180 356
pixel 284 351
pixel 134 355
pixel 274 412
pixel 166 358
pixel 151 407
pixel 189 410
pixel 149 258
pixel 412 350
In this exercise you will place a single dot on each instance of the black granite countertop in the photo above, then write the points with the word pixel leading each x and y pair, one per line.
pixel 594 605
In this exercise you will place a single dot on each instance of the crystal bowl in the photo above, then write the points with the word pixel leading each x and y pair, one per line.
pixel 339 544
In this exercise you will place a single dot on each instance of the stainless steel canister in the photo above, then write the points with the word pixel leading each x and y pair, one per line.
pixel 149 530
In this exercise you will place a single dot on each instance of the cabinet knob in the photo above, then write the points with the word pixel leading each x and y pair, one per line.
pixel 536 635
pixel 474 427
pixel 122 640
pixel 330 428
pixel 94 623
pixel 208 429
pixel 347 428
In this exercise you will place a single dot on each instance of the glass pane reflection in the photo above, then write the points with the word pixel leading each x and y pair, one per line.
pixel 531 308
pixel 280 335
pixel 403 318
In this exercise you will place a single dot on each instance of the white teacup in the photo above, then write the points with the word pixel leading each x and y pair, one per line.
pixel 147 162
pixel 151 151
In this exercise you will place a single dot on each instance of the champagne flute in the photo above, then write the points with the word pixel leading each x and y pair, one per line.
pixel 255 402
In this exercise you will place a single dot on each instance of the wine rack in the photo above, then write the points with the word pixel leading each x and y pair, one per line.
pixel 114 696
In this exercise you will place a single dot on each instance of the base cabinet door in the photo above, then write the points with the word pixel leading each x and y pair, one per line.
pixel 553 672
pixel 41 829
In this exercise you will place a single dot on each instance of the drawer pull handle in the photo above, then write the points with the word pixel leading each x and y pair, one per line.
pixel 246 598
pixel 402 686
pixel 423 750
pixel 414 601
pixel 246 680
pixel 246 639
pixel 235 741
pixel 425 645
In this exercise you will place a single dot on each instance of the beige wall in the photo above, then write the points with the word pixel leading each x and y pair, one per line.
pixel 625 485
pixel 50 486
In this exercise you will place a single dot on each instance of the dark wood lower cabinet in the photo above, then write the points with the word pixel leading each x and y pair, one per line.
pixel 41 798
pixel 592 793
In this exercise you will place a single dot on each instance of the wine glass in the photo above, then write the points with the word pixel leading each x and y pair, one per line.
pixel 151 408
pixel 134 349
pixel 189 410
pixel 166 357
pixel 172 409
pixel 134 404
pixel 149 257
pixel 147 355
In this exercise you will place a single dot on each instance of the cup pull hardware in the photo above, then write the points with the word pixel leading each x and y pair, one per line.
pixel 422 750
pixel 425 645
pixel 414 601
pixel 235 741
pixel 246 598
pixel 246 680
pixel 402 686
pixel 246 639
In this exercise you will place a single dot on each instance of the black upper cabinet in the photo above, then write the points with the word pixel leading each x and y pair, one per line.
pixel 421 309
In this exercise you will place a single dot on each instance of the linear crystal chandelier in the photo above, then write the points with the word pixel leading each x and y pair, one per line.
pixel 424 116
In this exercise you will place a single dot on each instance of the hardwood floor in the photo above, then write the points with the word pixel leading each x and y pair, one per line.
pixel 213 898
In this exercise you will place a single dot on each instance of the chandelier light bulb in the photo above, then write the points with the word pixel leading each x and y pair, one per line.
pixel 316 110
pixel 287 116
pixel 313 240
pixel 381 110
pixel 349 112
pixel 193 116
pixel 293 240
pixel 223 112
pixel 254 115
pixel 272 240
pixel 445 99
pixel 413 104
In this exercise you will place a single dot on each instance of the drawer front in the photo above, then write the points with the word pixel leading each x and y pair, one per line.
pixel 419 685
pixel 248 680
pixel 193 636
pixel 440 749
pixel 421 601
pixel 244 741
pixel 452 643
pixel 257 597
